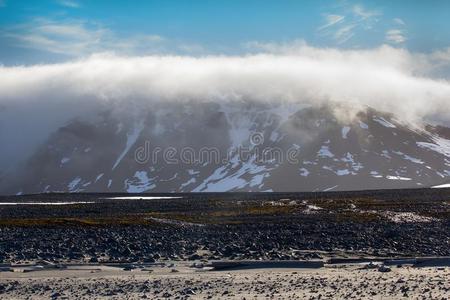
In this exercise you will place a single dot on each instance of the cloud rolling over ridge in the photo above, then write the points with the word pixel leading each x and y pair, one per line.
pixel 42 97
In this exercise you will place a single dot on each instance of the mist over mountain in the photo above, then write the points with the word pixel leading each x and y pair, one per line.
pixel 241 146
pixel 358 118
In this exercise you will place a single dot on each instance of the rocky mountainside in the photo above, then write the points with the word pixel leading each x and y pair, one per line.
pixel 206 147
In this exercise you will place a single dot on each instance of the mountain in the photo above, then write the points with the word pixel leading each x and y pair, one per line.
pixel 241 146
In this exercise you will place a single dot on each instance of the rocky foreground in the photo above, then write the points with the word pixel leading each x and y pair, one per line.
pixel 163 247
pixel 180 282
pixel 92 228
pixel 212 242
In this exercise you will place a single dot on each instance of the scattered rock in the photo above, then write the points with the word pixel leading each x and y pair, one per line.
pixel 384 269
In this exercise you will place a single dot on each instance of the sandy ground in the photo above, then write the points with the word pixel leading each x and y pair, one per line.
pixel 180 281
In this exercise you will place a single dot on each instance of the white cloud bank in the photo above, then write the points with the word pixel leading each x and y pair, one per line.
pixel 385 78
pixel 35 100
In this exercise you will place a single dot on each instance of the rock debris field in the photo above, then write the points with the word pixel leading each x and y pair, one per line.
pixel 97 246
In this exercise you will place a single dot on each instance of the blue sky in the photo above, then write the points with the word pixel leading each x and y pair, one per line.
pixel 42 31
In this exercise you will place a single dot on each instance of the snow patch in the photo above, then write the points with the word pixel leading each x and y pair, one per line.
pixel 345 130
pixel 407 157
pixel 384 122
pixel 440 145
pixel 413 159
pixel 442 186
pixel 340 172
pixel 140 183
pixel 343 172
pixel 385 153
pixel 406 217
pixel 375 174
pixel 65 160
pixel 330 188
pixel 192 172
pixel 73 184
pixel 325 152
pixel 304 172
pixel 222 181
pixel 98 177
pixel 171 178
pixel 314 207
pixel 363 125
pixel 131 139
pixel 390 177
pixel 190 181
pixel 311 209
pixel 356 166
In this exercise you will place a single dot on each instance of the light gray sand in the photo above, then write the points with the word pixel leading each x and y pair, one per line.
pixel 183 282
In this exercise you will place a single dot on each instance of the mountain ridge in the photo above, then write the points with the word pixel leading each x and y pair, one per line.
pixel 336 149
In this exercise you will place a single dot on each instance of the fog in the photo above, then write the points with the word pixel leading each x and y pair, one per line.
pixel 36 100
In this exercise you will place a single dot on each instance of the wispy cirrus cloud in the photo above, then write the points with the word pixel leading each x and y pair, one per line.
pixel 77 38
pixel 69 3
pixel 395 36
pixel 331 20
pixel 363 13
pixel 344 33
pixel 399 21
pixel 343 26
